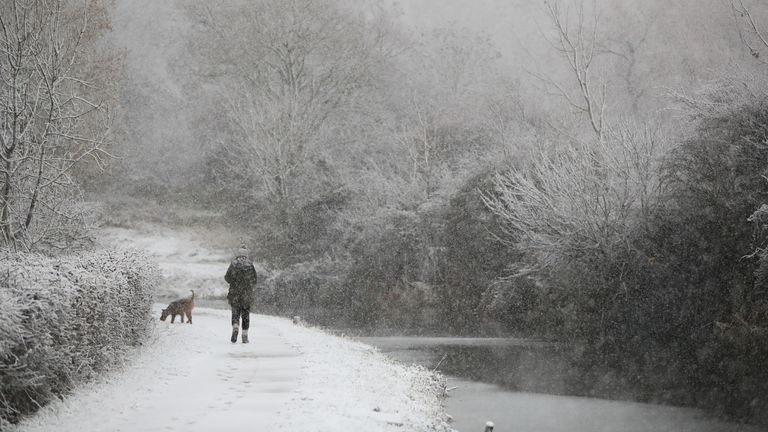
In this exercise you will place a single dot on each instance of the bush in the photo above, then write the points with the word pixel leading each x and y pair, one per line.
pixel 64 320
pixel 523 306
pixel 717 181
pixel 471 258
pixel 645 251
pixel 391 276
pixel 312 290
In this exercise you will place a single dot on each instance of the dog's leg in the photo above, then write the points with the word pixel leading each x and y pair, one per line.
pixel 189 317
pixel 182 317
pixel 173 318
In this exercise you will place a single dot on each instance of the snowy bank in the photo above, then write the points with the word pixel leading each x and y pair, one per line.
pixel 348 385
pixel 292 378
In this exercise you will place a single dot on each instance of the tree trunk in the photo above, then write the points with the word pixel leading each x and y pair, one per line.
pixel 33 200
pixel 5 215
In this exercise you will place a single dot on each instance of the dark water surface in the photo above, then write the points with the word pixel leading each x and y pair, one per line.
pixel 524 385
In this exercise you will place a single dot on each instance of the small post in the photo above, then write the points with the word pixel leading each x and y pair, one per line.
pixel 489 426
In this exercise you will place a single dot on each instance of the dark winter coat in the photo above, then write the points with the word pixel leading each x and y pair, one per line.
pixel 241 277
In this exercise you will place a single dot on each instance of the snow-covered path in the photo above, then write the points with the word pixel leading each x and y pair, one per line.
pixel 290 377
pixel 192 378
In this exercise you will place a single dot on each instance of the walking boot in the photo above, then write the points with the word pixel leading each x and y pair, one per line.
pixel 245 336
pixel 235 329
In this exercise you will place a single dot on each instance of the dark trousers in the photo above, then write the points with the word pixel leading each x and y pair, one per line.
pixel 244 313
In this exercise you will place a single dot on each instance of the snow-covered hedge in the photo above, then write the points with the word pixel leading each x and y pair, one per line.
pixel 63 320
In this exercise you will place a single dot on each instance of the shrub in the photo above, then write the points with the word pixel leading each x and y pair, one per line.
pixel 471 258
pixel 392 271
pixel 310 289
pixel 646 252
pixel 64 320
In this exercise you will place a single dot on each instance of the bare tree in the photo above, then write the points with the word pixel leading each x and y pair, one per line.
pixel 583 200
pixel 52 116
pixel 752 35
pixel 418 139
pixel 286 75
pixel 443 106
pixel 577 42
pixel 628 50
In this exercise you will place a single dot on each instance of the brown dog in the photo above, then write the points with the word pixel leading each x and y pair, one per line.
pixel 180 307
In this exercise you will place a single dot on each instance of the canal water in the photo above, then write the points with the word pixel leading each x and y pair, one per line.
pixel 527 386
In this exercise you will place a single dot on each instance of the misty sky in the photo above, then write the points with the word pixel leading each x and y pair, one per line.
pixel 689 42
pixel 152 31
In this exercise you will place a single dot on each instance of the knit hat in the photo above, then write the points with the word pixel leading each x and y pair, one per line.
pixel 242 251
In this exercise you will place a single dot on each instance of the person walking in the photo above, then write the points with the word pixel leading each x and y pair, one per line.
pixel 241 277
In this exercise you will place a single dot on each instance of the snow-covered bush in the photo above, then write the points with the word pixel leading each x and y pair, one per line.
pixel 65 319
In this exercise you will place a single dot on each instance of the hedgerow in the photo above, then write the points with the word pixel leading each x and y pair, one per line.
pixel 63 320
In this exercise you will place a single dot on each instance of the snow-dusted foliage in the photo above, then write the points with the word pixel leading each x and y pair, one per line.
pixel 65 319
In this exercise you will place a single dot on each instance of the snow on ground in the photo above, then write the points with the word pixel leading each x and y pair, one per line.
pixel 351 386
pixel 186 260
pixel 192 378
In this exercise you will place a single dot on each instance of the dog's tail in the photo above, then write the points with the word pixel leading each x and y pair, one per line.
pixel 193 295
